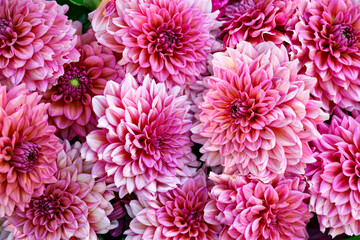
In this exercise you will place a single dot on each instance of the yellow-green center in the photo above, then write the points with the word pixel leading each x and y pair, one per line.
pixel 75 82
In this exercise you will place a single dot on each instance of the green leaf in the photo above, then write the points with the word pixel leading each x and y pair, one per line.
pixel 78 2
pixel 92 4
pixel 76 12
pixel 353 238
pixel 100 237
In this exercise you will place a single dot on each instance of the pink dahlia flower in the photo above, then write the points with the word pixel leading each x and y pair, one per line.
pixel 144 136
pixel 74 207
pixel 330 50
pixel 256 21
pixel 176 214
pixel 169 40
pixel 335 180
pixel 70 100
pixel 36 40
pixel 252 210
pixel 257 117
pixel 28 148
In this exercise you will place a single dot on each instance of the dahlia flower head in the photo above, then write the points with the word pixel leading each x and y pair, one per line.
pixel 175 214
pixel 252 210
pixel 143 140
pixel 70 99
pixel 335 195
pixel 28 148
pixel 330 50
pixel 76 206
pixel 255 21
pixel 36 40
pixel 167 39
pixel 257 116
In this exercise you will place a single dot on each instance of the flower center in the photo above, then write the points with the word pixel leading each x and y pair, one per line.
pixel 4 25
pixel 344 35
pixel 7 36
pixel 167 40
pixel 158 143
pixel 26 156
pixel 192 216
pixel 245 5
pixel 349 34
pixel 74 83
pixel 237 9
pixel 271 215
pixel 50 205
pixel 239 109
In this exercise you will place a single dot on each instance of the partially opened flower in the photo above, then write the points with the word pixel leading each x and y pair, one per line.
pixel 252 210
pixel 28 148
pixel 144 136
pixel 256 21
pixel 74 207
pixel 257 117
pixel 330 50
pixel 36 40
pixel 176 214
pixel 70 99
pixel 335 192
pixel 169 40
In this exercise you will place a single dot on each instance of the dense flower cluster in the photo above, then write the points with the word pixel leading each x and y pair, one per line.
pixel 330 50
pixel 334 179
pixel 70 99
pixel 75 206
pixel 144 135
pixel 255 21
pixel 179 119
pixel 169 40
pixel 36 40
pixel 28 148
pixel 176 214
pixel 257 116
pixel 251 209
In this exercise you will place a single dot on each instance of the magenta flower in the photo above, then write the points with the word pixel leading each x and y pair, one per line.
pixel 36 40
pixel 255 21
pixel 257 116
pixel 169 40
pixel 144 136
pixel 335 195
pixel 70 100
pixel 176 214
pixel 28 148
pixel 74 207
pixel 252 210
pixel 329 50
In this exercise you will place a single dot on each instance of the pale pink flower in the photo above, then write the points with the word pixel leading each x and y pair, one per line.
pixel 255 21
pixel 28 148
pixel 176 214
pixel 99 197
pixel 74 207
pixel 257 117
pixel 334 179
pixel 70 99
pixel 169 40
pixel 326 38
pixel 36 40
pixel 252 210
pixel 144 136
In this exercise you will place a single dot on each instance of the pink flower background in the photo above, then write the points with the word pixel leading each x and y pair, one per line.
pixel 179 119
